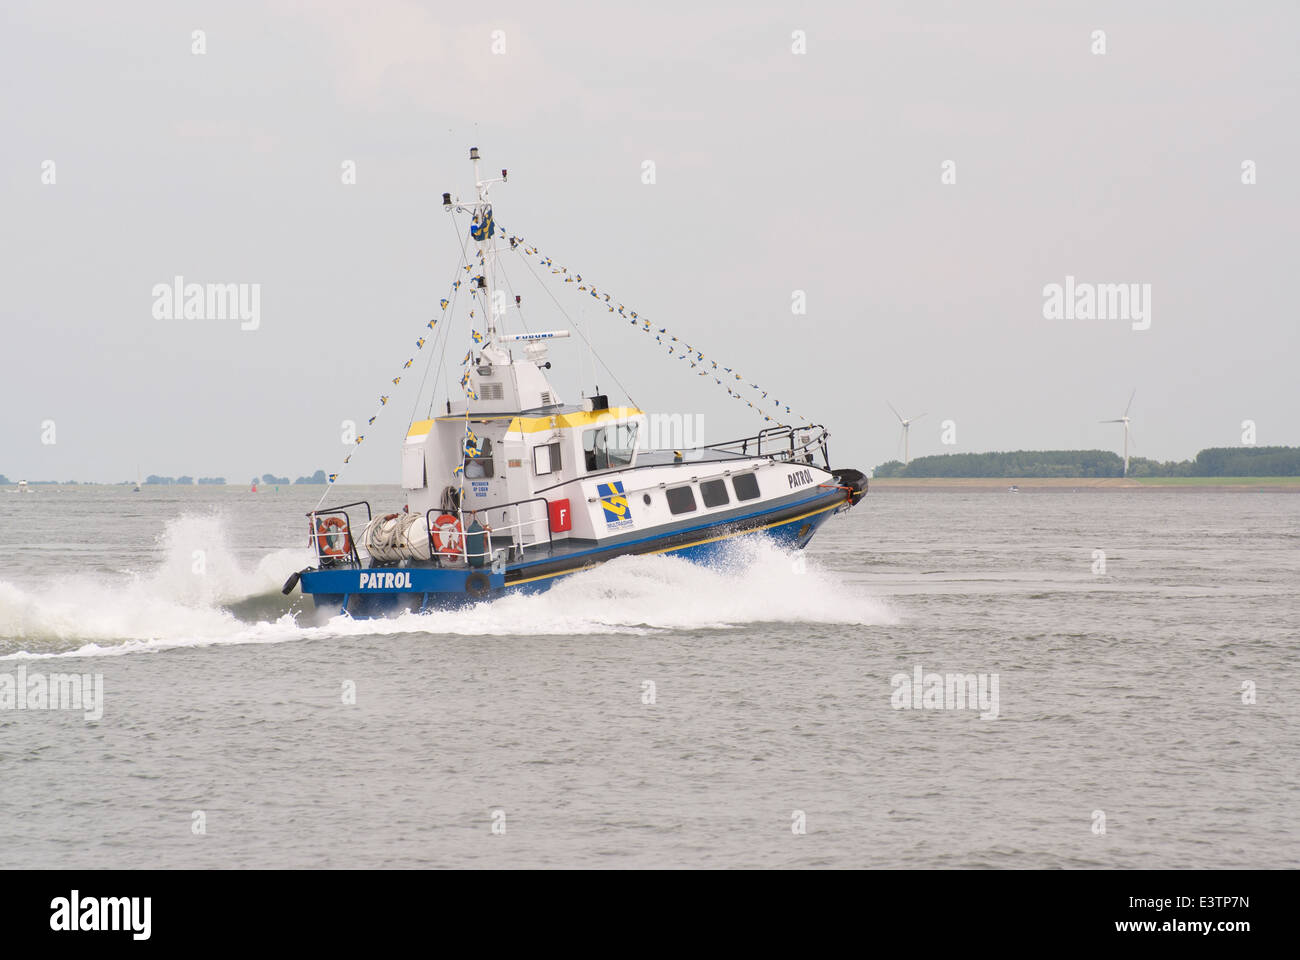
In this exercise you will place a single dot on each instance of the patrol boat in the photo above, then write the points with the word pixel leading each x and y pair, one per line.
pixel 508 488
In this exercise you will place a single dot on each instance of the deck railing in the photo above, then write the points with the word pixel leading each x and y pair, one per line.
pixel 522 524
pixel 325 536
pixel 783 442
pixel 505 521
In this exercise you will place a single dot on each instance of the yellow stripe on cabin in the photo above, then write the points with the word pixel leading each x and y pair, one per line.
pixel 581 418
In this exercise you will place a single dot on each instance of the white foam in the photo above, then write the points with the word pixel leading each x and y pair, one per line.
pixel 223 579
pixel 172 606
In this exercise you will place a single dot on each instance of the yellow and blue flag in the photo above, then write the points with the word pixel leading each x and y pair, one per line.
pixel 483 227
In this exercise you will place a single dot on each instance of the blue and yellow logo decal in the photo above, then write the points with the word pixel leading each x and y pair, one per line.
pixel 614 502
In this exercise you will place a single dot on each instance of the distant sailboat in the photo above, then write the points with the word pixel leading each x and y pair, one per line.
pixel 136 488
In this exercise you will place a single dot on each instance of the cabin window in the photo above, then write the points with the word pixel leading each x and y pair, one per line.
pixel 546 459
pixel 714 493
pixel 680 499
pixel 480 467
pixel 609 447
pixel 746 486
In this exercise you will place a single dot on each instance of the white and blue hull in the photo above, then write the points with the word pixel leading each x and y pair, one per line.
pixel 370 590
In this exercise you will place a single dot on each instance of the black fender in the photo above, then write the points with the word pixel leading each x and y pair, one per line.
pixel 855 480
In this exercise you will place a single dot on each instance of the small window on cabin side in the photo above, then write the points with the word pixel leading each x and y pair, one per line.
pixel 480 467
pixel 714 493
pixel 680 499
pixel 745 485
pixel 546 459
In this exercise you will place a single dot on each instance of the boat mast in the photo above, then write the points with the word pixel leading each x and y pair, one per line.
pixel 487 242
pixel 483 232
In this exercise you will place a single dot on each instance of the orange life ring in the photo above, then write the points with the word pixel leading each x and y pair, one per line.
pixel 448 535
pixel 329 543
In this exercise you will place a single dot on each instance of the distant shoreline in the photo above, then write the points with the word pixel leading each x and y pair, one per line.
pixel 1241 484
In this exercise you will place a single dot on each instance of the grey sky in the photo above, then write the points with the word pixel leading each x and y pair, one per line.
pixel 775 172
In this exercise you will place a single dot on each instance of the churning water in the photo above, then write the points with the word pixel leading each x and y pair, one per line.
pixel 1145 713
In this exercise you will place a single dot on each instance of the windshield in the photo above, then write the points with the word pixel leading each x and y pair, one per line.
pixel 609 447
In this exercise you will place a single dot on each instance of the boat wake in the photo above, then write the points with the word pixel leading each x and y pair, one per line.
pixel 172 606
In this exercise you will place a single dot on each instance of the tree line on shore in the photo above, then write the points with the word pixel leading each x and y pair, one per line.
pixel 1211 462
pixel 155 480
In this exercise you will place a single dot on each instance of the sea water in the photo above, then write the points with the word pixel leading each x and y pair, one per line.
pixel 775 710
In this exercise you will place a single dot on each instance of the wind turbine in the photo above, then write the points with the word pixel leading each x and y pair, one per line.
pixel 1126 420
pixel 907 423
